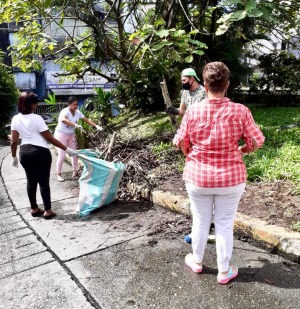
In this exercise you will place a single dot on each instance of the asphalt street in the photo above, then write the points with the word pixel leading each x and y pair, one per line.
pixel 125 255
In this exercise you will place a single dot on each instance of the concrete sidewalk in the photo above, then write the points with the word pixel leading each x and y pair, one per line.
pixel 271 237
pixel 30 275
pixel 121 256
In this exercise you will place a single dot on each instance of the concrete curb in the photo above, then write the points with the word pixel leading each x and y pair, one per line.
pixel 271 237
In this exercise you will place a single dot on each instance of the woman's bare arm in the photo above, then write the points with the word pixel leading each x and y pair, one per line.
pixel 184 150
pixel 66 121
pixel 245 149
pixel 14 142
pixel 88 121
pixel 48 137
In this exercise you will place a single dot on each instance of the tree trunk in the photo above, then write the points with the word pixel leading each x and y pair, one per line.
pixel 168 103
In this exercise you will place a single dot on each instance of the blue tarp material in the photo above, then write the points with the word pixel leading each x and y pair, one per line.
pixel 99 182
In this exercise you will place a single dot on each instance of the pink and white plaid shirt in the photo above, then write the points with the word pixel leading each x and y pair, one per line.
pixel 214 128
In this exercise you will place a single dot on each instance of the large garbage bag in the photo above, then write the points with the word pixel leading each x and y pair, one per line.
pixel 99 182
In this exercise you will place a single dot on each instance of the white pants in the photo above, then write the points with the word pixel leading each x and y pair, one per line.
pixel 225 201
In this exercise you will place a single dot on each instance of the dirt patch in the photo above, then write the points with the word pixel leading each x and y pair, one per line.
pixel 174 184
pixel 273 202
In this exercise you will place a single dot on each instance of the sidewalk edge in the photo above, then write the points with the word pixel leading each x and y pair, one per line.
pixel 270 237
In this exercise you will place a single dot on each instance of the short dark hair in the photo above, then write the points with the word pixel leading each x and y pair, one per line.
pixel 216 76
pixel 26 99
pixel 71 99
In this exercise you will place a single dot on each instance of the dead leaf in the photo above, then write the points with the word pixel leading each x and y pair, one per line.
pixel 269 281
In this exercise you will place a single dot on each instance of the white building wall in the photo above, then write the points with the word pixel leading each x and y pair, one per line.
pixel 25 80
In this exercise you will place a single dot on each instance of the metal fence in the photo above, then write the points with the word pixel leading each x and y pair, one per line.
pixel 45 108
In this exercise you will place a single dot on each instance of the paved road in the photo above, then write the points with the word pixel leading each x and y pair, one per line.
pixel 122 256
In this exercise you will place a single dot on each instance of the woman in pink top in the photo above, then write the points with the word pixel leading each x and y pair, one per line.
pixel 215 173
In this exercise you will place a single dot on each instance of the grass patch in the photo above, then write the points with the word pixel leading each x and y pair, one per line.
pixel 279 159
pixel 295 226
pixel 139 125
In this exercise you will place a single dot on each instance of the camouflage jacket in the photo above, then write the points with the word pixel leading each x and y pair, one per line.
pixel 193 97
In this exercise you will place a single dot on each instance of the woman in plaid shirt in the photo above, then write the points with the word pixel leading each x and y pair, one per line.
pixel 215 173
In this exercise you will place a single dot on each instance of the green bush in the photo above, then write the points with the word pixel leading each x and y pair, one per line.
pixel 102 104
pixel 279 84
pixel 9 95
pixel 143 91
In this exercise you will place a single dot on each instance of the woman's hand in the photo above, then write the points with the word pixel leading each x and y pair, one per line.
pixel 174 141
pixel 184 150
pixel 243 150
pixel 14 140
pixel 78 126
pixel 71 152
pixel 15 162
pixel 48 137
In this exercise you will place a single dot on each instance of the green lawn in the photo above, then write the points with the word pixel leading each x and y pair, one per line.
pixel 278 159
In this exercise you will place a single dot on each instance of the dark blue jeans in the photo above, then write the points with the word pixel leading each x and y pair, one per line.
pixel 37 161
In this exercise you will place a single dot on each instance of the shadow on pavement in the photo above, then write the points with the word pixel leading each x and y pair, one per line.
pixel 284 275
pixel 112 212
pixel 4 143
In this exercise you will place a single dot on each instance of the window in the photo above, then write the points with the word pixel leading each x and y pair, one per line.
pixel 70 26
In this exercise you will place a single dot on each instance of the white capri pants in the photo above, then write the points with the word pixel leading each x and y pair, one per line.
pixel 225 201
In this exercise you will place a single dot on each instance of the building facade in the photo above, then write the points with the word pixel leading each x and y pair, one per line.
pixel 46 81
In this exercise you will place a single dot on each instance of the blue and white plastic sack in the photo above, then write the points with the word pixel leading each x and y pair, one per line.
pixel 99 182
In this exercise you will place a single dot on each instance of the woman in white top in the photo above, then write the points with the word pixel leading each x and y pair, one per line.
pixel 35 155
pixel 64 132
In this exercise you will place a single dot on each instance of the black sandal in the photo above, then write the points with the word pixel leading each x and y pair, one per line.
pixel 50 216
pixel 38 213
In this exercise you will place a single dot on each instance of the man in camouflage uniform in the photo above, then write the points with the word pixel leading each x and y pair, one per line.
pixel 193 92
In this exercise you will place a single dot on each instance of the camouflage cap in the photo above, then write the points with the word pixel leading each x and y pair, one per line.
pixel 190 72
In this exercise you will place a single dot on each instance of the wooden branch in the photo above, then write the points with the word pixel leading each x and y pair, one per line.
pixel 112 6
pixel 168 103
pixel 108 156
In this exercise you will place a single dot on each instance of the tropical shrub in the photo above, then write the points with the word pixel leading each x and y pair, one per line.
pixel 9 95
pixel 102 103
pixel 279 84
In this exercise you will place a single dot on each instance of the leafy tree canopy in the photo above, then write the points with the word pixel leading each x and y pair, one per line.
pixel 171 35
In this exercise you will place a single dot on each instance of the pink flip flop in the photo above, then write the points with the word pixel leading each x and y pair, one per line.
pixel 229 276
pixel 191 264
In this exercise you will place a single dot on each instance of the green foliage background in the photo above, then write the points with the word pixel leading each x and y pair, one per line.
pixel 169 37
pixel 279 84
pixel 9 95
